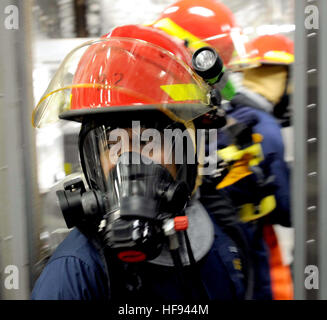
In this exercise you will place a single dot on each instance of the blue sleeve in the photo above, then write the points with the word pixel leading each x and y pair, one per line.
pixel 282 214
pixel 69 278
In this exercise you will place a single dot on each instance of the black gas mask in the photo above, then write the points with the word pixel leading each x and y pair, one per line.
pixel 148 196
pixel 133 197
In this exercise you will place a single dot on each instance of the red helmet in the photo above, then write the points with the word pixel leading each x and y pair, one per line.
pixel 200 23
pixel 267 49
pixel 115 79
pixel 124 72
pixel 154 36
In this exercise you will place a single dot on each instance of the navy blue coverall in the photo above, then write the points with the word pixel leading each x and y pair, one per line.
pixel 76 272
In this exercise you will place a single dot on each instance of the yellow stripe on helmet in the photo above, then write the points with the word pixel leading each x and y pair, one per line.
pixel 184 92
pixel 274 57
pixel 175 30
pixel 279 56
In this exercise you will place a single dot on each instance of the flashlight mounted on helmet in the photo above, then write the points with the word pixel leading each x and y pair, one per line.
pixel 208 65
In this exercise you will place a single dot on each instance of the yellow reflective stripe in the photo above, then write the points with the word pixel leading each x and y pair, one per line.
pixel 174 29
pixel 279 56
pixel 247 212
pixel 229 153
pixel 232 153
pixel 271 56
pixel 237 264
pixel 238 171
pixel 183 92
pixel 245 61
pixel 68 168
pixel 257 137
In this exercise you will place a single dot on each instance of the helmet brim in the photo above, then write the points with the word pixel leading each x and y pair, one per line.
pixel 175 113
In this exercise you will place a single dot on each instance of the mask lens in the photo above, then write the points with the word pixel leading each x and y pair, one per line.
pixel 127 162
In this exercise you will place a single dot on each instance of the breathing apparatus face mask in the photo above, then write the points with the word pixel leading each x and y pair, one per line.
pixel 134 170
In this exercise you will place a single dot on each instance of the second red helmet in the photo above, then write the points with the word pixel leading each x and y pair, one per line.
pixel 201 23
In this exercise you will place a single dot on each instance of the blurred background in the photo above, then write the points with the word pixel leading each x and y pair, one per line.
pixel 33 163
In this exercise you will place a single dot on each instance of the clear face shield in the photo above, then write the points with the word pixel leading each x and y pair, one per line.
pixel 122 72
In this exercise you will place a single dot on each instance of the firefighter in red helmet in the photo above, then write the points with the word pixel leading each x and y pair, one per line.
pixel 265 68
pixel 139 231
pixel 210 23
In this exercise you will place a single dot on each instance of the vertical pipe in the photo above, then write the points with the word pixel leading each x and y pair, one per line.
pixel 19 183
pixel 299 190
pixel 322 151
pixel 32 201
